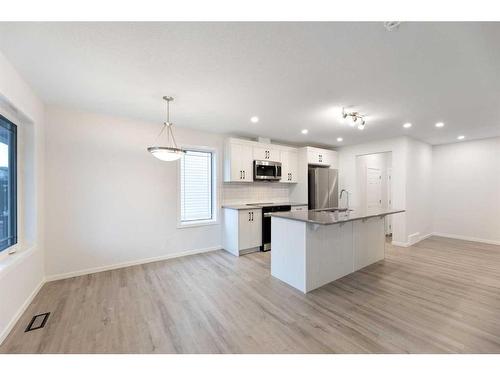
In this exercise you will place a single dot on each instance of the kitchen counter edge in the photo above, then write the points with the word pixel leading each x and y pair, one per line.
pixel 330 219
pixel 254 207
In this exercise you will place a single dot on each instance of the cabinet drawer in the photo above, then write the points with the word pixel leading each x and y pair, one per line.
pixel 299 208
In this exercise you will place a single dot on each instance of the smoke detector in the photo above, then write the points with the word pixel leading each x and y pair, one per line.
pixel 392 25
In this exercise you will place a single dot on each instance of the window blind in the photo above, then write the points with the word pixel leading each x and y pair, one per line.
pixel 196 186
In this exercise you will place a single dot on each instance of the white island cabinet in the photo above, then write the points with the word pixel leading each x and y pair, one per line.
pixel 313 248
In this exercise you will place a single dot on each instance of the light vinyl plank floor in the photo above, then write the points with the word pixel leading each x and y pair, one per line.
pixel 439 296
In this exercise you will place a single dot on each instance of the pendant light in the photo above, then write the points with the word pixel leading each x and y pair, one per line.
pixel 170 152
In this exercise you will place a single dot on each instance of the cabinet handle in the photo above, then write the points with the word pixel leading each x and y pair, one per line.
pixel 249 216
pixel 252 215
pixel 241 175
pixel 244 175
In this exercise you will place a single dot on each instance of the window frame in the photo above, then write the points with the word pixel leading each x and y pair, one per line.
pixel 11 127
pixel 214 220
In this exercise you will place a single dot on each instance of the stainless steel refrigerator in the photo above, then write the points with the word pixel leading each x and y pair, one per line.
pixel 323 188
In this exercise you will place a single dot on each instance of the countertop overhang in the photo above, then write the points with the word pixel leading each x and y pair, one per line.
pixel 335 217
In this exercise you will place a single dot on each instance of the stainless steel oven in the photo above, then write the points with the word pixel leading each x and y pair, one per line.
pixel 266 170
pixel 266 223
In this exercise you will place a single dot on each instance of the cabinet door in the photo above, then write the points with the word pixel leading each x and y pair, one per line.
pixel 234 162
pixel 312 156
pixel 256 228
pixel 289 167
pixel 293 161
pixel 285 173
pixel 244 229
pixel 238 162
pixel 266 152
pixel 249 229
pixel 246 162
pixel 324 157
pixel 273 154
pixel 260 153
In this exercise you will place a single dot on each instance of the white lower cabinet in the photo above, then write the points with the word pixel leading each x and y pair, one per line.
pixel 242 230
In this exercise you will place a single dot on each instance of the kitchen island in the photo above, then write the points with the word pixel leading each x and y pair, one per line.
pixel 313 248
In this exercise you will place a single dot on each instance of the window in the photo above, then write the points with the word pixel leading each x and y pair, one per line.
pixel 197 187
pixel 8 189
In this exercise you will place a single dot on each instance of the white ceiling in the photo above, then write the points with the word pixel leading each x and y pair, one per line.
pixel 292 75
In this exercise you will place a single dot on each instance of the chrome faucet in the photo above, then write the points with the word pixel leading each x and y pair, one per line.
pixel 341 192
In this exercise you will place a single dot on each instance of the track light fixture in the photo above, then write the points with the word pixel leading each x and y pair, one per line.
pixel 355 116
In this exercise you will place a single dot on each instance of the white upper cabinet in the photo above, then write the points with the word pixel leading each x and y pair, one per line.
pixel 266 152
pixel 238 161
pixel 322 157
pixel 289 165
pixel 239 155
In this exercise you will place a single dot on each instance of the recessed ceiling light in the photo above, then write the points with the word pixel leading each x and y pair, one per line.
pixel 304 131
pixel 340 139
pixel 254 119
pixel 439 124
pixel 460 137
pixel 407 125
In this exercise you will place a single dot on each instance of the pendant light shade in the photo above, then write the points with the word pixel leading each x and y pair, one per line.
pixel 170 152
pixel 166 153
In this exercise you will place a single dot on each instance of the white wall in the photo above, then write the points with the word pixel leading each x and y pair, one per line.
pixel 348 176
pixel 418 191
pixel 411 183
pixel 22 273
pixel 466 190
pixel 111 202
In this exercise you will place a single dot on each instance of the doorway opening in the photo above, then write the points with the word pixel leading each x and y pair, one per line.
pixel 374 184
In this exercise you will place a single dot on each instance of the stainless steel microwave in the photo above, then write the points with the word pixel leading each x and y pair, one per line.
pixel 266 170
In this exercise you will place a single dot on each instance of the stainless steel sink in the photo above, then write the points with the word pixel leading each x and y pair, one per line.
pixel 335 210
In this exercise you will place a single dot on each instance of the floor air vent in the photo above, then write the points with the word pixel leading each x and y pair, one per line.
pixel 37 322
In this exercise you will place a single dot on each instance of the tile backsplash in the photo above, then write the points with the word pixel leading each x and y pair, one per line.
pixel 255 192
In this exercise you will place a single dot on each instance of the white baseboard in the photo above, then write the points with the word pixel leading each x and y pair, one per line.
pixel 466 238
pixel 128 264
pixel 426 236
pixel 20 312
pixel 400 244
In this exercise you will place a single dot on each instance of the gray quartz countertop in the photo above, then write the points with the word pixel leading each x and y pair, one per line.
pixel 335 217
pixel 253 206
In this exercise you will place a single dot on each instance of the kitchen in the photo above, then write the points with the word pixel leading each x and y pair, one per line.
pixel 252 187
pixel 313 182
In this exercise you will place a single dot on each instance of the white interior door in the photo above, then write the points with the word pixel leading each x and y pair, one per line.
pixel 388 218
pixel 374 188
